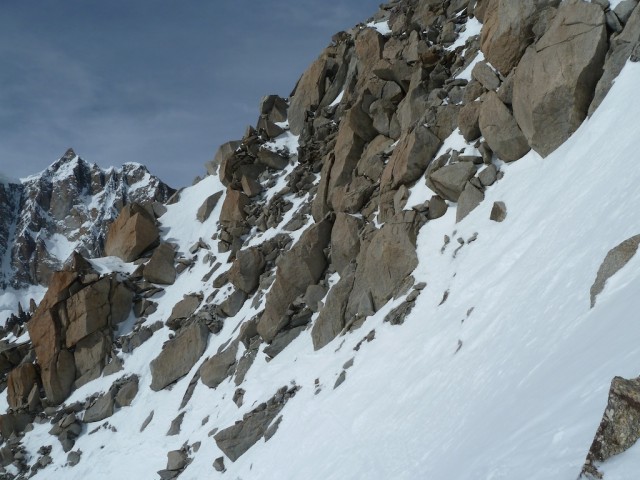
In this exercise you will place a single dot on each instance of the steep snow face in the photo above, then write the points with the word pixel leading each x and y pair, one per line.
pixel 66 207
pixel 507 378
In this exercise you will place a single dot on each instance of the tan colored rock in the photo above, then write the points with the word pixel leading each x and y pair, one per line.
pixel 131 234
pixel 225 151
pixel 410 158
pixel 508 30
pixel 555 81
pixel 232 213
pixel 500 129
pixel 449 181
pixel 615 259
pixel 298 268
pixel 161 268
pixel 91 353
pixel 214 370
pixel 88 310
pixel 309 91
pixel 468 121
pixel 469 199
pixel 20 382
pixel 207 207
pixel 58 376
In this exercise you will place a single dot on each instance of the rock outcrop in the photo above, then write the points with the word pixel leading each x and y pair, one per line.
pixel 555 81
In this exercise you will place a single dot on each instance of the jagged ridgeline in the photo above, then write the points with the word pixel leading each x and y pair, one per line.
pixel 355 289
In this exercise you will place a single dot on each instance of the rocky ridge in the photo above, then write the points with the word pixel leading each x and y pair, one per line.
pixel 308 227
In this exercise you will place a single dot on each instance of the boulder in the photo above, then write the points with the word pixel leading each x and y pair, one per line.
pixel 449 181
pixel 90 355
pixel 619 429
pixel 127 392
pixel 469 199
pixel 235 440
pixel 617 258
pixel 178 356
pixel 214 370
pixel 498 212
pixel 272 159
pixel 161 268
pixel 282 340
pixel 88 311
pixel 500 129
pixel 392 250
pixel 484 74
pixel 410 158
pixel 508 30
pixel 20 382
pixel 488 176
pixel 13 424
pixel 331 319
pixel 101 408
pixel 185 307
pixel 308 93
pixel 225 151
pixel 298 268
pixel 246 269
pixel 555 80
pixel 131 234
pixel 468 121
pixel 58 376
pixel 207 207
pixel 274 107
pixel 232 213
pixel 437 207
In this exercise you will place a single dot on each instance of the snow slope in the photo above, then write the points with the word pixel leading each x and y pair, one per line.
pixel 507 379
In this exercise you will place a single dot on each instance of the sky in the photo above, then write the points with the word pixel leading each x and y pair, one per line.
pixel 159 82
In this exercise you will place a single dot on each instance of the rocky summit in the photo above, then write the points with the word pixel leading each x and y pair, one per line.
pixel 420 264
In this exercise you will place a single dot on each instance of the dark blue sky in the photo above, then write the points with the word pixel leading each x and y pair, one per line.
pixel 160 82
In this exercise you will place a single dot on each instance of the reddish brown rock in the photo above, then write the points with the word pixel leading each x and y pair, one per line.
pixel 133 232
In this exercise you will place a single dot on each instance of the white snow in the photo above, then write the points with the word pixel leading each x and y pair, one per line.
pixel 472 28
pixel 382 27
pixel 465 74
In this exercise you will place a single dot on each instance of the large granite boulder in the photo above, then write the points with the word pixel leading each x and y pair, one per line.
pixel 508 30
pixel 500 129
pixel 132 233
pixel 556 78
pixel 161 268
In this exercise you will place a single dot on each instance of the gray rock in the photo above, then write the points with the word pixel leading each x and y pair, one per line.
pixel 176 460
pixel 468 201
pixel 498 212
pixel 617 258
pixel 282 340
pixel 450 180
pixel 218 464
pixel 488 176
pixel 345 240
pixel 437 207
pixel 272 159
pixel 203 213
pixel 331 319
pixel 483 73
pixel 185 307
pixel 500 129
pixel 214 370
pixel 178 356
pixel 161 268
pixel 127 392
pixel 73 458
pixel 392 250
pixel 468 121
pixel 234 441
pixel 340 380
pixel 619 429
pixel 555 80
pixel 246 269
pixel 624 10
pixel 410 158
pixel 176 425
pixel 313 296
pixel 102 408
pixel 233 303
